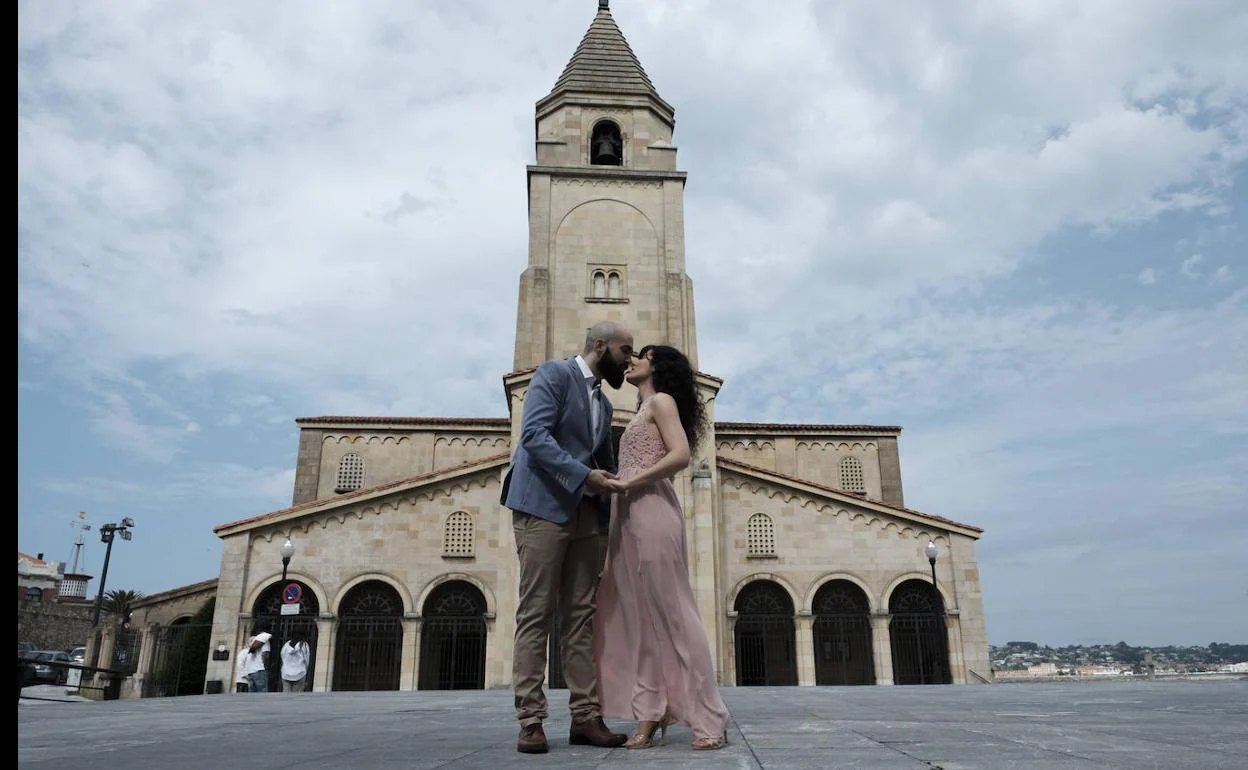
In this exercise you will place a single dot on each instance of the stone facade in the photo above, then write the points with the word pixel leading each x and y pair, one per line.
pixel 402 509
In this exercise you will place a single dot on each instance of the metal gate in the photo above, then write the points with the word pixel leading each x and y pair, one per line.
pixel 267 616
pixel 919 640
pixel 369 639
pixel 842 635
pixel 179 660
pixel 126 647
pixel 766 645
pixel 452 642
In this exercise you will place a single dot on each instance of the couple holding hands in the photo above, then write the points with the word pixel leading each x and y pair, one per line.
pixel 633 642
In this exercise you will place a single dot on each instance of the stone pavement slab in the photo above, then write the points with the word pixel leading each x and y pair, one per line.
pixel 1170 725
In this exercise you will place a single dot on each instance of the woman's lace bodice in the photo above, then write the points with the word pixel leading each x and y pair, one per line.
pixel 641 445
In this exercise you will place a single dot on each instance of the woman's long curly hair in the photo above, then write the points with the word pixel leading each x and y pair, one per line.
pixel 672 374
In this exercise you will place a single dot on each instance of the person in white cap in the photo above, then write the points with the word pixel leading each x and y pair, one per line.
pixel 253 662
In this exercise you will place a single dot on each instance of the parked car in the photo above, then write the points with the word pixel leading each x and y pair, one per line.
pixel 46 670
pixel 78 655
pixel 25 647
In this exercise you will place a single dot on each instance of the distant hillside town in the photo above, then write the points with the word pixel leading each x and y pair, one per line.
pixel 1029 660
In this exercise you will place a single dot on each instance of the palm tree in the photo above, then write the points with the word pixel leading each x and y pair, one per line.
pixel 118 602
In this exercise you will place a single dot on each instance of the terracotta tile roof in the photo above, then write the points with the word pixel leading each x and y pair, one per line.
pixel 754 469
pixel 486 422
pixel 345 496
pixel 805 427
pixel 158 597
pixel 30 558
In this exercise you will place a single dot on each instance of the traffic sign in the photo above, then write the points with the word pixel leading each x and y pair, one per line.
pixel 290 609
pixel 292 593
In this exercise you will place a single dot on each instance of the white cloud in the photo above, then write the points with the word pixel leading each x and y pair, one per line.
pixel 232 215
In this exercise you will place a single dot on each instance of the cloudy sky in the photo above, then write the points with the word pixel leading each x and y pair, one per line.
pixel 1016 229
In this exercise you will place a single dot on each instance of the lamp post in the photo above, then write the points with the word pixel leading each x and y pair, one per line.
pixel 106 536
pixel 931 552
pixel 287 551
pixel 107 533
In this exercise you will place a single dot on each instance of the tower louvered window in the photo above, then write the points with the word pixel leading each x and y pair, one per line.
pixel 350 473
pixel 761 535
pixel 457 538
pixel 851 475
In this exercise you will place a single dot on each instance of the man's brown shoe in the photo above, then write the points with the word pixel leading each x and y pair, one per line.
pixel 532 740
pixel 592 732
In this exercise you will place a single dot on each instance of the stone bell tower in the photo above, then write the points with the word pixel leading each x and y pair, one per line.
pixel 606 209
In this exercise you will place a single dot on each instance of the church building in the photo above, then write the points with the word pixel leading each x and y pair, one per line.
pixel 807 565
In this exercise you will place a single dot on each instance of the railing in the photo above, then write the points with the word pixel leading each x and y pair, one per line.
pixel 110 690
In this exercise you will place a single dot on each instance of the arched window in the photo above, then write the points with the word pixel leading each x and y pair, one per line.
pixel 458 536
pixel 606 148
pixel 34 594
pixel 614 290
pixel 761 535
pixel 851 475
pixel 350 473
pixel 598 288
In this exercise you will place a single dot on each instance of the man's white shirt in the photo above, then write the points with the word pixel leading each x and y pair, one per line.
pixel 294 661
pixel 594 408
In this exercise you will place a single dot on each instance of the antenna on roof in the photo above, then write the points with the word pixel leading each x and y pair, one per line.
pixel 82 525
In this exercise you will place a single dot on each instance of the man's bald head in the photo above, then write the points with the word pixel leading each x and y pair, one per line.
pixel 608 351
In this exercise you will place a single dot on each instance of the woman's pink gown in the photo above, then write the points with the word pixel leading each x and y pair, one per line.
pixel 652 652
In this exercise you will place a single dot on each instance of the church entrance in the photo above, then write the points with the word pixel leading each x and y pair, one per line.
pixel 452 638
pixel 267 615
pixel 917 632
pixel 765 636
pixel 842 633
pixel 370 637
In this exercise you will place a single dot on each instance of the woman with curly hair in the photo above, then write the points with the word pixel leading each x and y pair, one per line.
pixel 654 659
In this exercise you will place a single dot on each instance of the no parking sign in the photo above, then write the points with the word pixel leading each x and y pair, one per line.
pixel 291 595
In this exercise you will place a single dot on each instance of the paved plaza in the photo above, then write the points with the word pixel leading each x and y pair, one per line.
pixel 1168 725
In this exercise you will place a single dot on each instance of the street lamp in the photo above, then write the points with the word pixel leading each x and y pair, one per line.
pixel 287 551
pixel 107 533
pixel 106 536
pixel 931 552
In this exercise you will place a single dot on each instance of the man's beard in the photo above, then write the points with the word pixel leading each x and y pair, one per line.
pixel 611 370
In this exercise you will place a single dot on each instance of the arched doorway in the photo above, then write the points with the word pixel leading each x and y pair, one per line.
pixel 369 639
pixel 765 637
pixel 842 632
pixel 917 634
pixel 266 615
pixel 452 638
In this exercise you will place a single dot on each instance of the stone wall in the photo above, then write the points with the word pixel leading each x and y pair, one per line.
pixel 56 626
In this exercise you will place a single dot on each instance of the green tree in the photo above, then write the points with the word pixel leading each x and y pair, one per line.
pixel 119 602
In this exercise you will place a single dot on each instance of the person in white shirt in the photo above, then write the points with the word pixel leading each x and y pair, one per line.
pixel 295 656
pixel 253 660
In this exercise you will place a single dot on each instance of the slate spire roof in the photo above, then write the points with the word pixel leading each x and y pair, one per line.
pixel 604 63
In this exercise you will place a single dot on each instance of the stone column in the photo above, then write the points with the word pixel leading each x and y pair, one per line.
pixel 324 653
pixel 702 551
pixel 805 649
pixel 957 658
pixel 729 672
pixel 108 639
pixel 143 667
pixel 409 657
pixel 882 646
